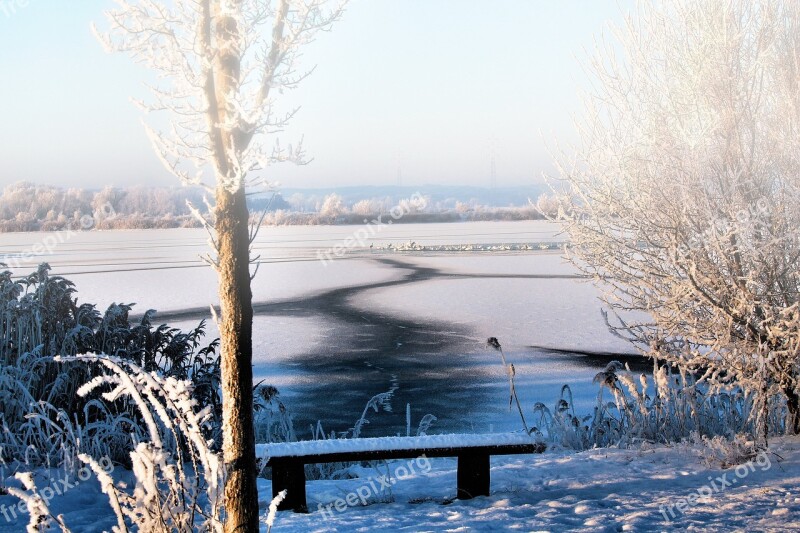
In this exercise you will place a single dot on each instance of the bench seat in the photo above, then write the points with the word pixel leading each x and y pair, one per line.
pixel 288 460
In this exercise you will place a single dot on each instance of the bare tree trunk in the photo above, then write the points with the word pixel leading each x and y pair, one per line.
pixel 793 405
pixel 236 331
pixel 235 295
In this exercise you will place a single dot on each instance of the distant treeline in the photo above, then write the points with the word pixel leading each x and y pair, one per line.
pixel 29 207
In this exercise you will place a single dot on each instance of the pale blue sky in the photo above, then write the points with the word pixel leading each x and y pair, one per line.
pixel 435 84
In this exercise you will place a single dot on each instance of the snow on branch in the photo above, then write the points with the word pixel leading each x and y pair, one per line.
pixel 684 192
pixel 219 66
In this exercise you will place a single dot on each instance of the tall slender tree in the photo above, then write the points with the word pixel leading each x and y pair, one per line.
pixel 220 65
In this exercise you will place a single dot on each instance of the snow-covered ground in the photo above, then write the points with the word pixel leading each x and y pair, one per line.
pixel 683 487
pixel 597 490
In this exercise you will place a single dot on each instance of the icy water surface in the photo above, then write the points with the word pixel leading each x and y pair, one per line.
pixel 331 335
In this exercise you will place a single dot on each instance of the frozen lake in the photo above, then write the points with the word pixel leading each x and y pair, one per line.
pixel 331 335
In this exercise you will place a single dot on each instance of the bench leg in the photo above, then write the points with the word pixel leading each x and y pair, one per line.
pixel 290 476
pixel 473 475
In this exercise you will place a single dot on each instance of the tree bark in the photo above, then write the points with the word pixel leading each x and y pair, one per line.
pixel 793 406
pixel 236 331
pixel 235 295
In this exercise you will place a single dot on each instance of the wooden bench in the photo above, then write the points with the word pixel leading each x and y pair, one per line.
pixel 288 460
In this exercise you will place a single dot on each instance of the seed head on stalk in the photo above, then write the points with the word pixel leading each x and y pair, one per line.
pixel 494 343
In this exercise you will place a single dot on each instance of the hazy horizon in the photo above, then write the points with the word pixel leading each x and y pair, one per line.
pixel 420 93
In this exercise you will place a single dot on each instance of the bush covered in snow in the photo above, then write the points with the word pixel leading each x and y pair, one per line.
pixel 178 476
pixel 668 407
pixel 41 413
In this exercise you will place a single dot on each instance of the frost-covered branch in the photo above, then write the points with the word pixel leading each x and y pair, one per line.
pixel 685 189
pixel 209 130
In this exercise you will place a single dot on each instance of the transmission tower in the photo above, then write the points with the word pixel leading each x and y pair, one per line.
pixel 492 163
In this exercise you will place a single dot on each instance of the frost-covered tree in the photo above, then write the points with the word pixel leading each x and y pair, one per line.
pixel 366 208
pixel 685 193
pixel 332 206
pixel 547 205
pixel 220 65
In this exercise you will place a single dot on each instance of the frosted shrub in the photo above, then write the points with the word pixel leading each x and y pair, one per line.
pixel 44 420
pixel 271 418
pixel 680 407
pixel 723 453
pixel 178 476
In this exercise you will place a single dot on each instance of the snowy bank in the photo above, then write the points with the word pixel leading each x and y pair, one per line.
pixel 650 489
pixel 653 489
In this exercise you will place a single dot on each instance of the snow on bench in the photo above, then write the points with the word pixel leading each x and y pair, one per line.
pixel 288 460
pixel 330 446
